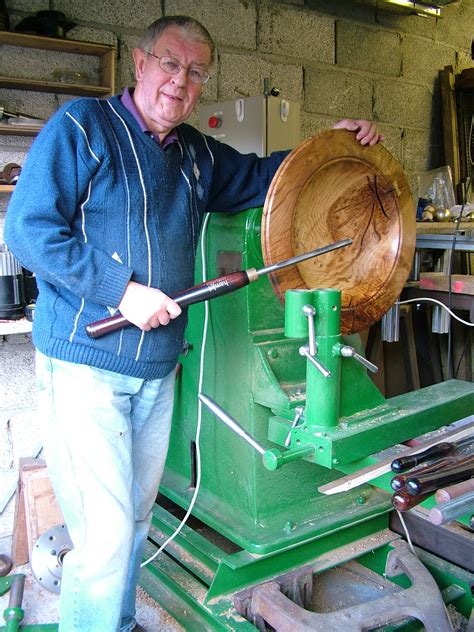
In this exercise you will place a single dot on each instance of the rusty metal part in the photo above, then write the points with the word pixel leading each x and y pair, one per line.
pixel 421 601
pixel 6 565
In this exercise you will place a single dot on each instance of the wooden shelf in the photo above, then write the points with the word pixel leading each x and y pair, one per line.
pixel 54 43
pixel 56 87
pixel 20 130
pixel 104 52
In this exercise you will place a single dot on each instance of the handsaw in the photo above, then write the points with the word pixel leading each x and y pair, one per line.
pixel 367 474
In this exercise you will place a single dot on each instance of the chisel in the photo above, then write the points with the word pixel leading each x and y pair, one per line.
pixel 400 480
pixel 403 501
pixel 404 463
pixel 425 483
pixel 367 474
pixel 215 287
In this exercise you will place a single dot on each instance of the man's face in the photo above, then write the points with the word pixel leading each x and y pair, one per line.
pixel 162 99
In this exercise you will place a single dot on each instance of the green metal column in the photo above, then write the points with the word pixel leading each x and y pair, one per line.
pixel 323 393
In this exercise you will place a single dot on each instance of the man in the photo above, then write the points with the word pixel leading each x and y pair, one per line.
pixel 107 214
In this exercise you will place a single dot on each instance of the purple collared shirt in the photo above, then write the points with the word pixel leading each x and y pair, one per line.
pixel 128 102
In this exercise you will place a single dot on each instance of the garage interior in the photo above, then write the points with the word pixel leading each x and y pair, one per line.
pixel 317 376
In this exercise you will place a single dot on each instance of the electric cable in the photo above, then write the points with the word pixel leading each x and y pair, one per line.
pixel 434 300
pixel 407 534
pixel 199 415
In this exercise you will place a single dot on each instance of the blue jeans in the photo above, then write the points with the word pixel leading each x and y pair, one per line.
pixel 106 438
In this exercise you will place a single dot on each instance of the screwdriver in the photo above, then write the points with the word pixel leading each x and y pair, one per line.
pixel 215 287
pixel 404 463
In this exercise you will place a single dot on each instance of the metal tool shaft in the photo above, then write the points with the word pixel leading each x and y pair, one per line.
pixel 230 422
pixel 214 288
pixel 308 255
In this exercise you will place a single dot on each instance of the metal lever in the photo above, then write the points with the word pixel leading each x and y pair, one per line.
pixel 304 351
pixel 272 459
pixel 310 350
pixel 298 414
pixel 349 352
pixel 230 422
pixel 309 312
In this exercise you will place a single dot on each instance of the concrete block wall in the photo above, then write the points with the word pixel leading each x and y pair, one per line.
pixel 338 59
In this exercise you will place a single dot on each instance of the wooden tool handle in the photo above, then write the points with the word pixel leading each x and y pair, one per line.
pixel 425 483
pixel 403 501
pixel 445 494
pixel 202 292
pixel 400 480
pixel 437 451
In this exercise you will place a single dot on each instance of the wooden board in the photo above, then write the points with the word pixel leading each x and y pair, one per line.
pixel 36 508
pixel 460 283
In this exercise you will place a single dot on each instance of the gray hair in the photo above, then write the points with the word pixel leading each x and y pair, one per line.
pixel 190 27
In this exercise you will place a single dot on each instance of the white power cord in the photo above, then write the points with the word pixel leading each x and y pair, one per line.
pixel 199 416
pixel 433 300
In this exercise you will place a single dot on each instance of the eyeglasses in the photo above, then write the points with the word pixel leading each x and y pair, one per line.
pixel 173 67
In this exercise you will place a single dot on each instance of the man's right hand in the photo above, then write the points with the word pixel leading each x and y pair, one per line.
pixel 147 307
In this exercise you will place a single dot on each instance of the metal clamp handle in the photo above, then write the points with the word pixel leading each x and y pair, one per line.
pixel 349 352
pixel 304 351
pixel 298 414
pixel 309 312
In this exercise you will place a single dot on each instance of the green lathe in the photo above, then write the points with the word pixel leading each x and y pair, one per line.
pixel 264 548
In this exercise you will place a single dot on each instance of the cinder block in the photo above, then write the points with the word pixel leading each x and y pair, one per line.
pixel 423 59
pixel 296 33
pixel 229 23
pixel 243 75
pixel 39 104
pixel 42 64
pixel 403 21
pixel 312 124
pixel 126 68
pixel 26 5
pixel 369 49
pixel 463 60
pixel 456 28
pixel 393 140
pixel 420 154
pixel 338 93
pixel 363 10
pixel 88 34
pixel 110 12
pixel 403 104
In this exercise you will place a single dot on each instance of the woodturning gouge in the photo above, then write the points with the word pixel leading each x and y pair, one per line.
pixel 371 472
pixel 215 287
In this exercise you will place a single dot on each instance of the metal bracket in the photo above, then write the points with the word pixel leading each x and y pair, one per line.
pixel 422 600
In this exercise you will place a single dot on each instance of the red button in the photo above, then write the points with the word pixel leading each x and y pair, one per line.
pixel 214 122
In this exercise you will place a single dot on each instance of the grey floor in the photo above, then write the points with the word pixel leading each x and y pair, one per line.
pixel 42 606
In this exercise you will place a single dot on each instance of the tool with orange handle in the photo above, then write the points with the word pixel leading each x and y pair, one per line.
pixel 215 287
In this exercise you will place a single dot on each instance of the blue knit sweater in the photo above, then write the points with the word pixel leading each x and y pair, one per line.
pixel 99 203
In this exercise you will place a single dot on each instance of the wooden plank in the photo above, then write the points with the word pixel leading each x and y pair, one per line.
pixel 444 228
pixel 450 125
pixel 460 283
pixel 20 552
pixel 53 43
pixel 41 507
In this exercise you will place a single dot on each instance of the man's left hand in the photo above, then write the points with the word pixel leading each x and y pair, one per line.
pixel 367 133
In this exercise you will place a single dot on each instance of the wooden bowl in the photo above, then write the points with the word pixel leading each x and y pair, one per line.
pixel 332 188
